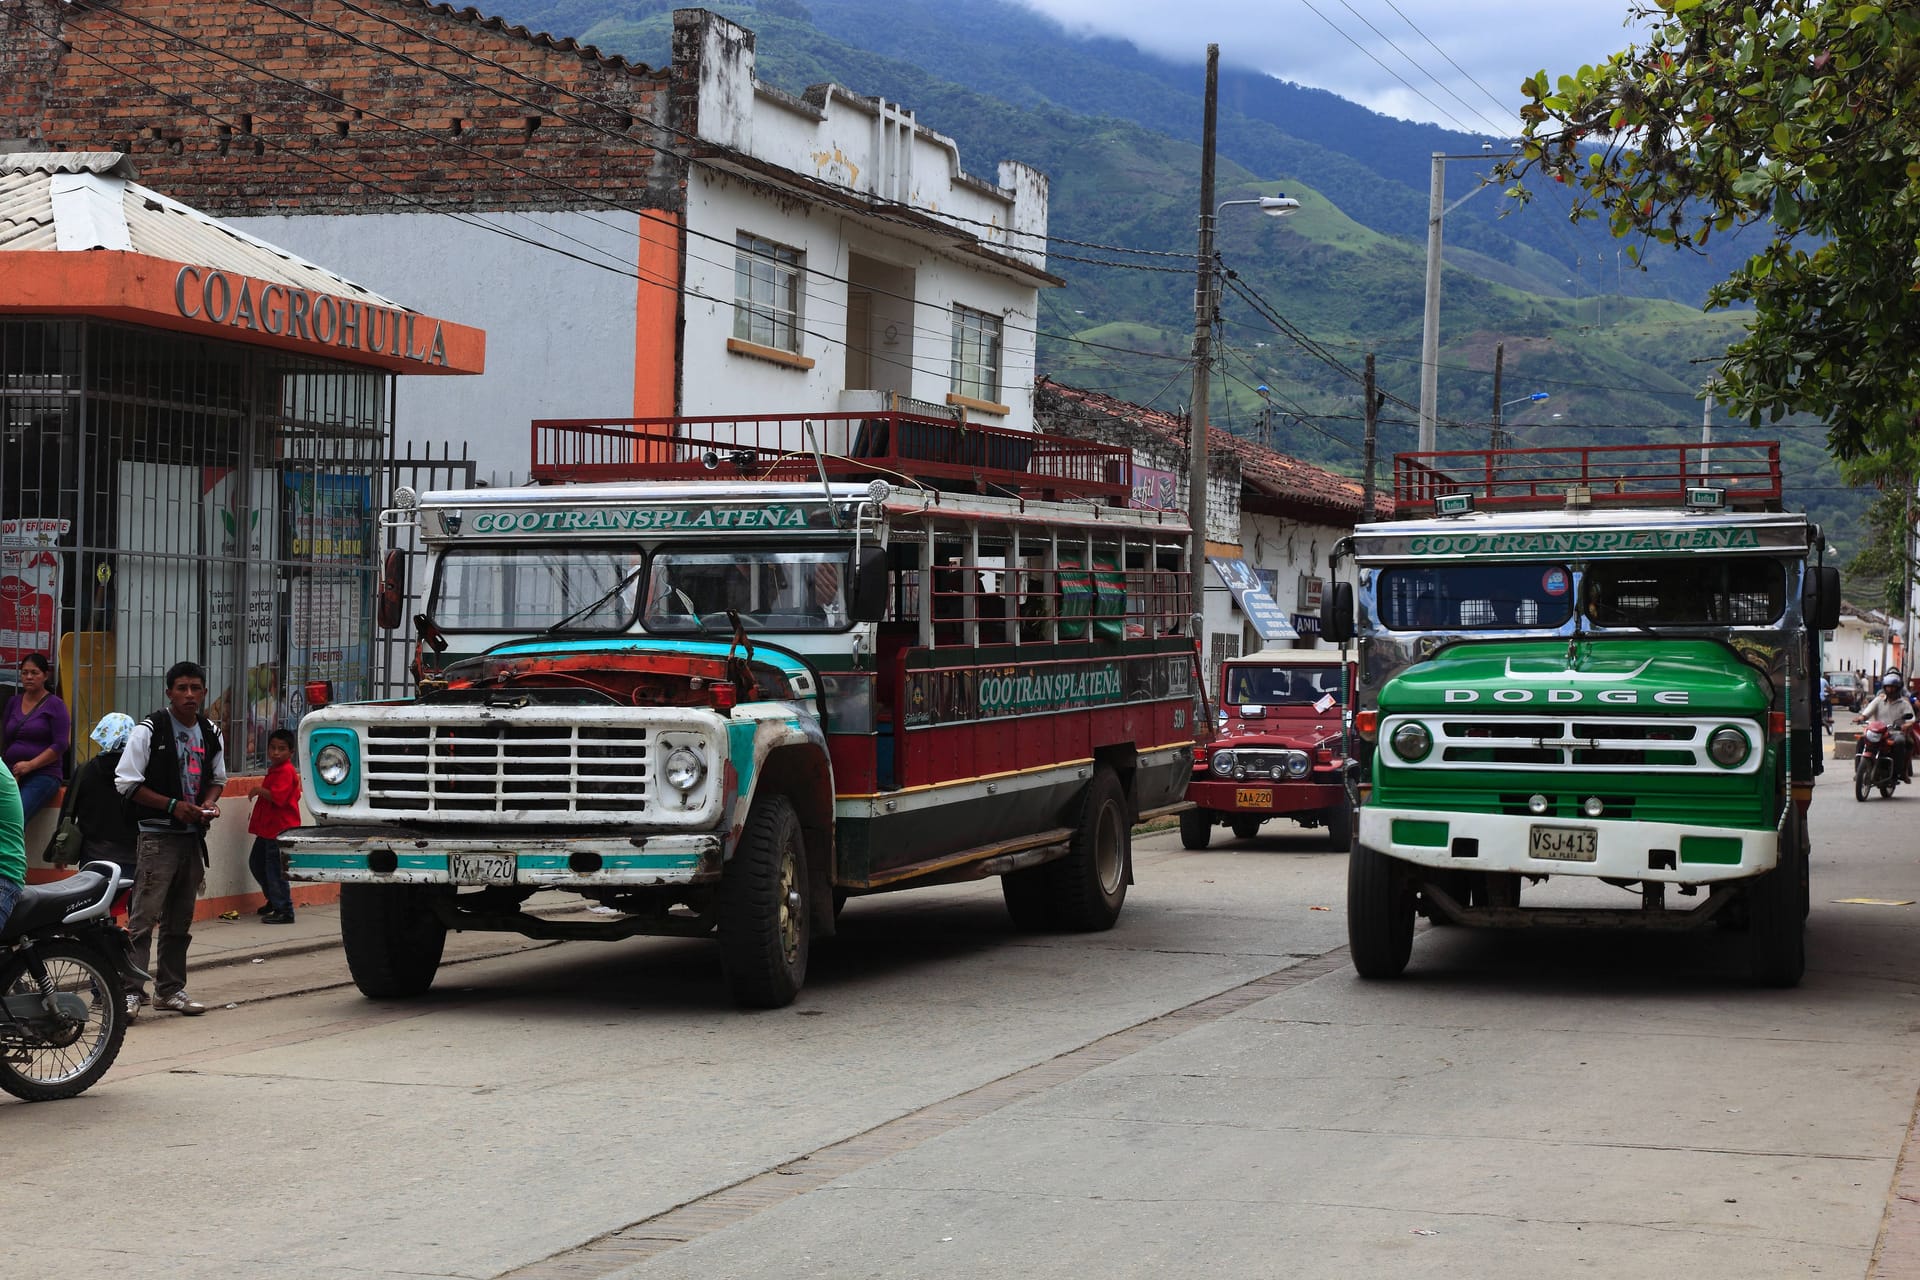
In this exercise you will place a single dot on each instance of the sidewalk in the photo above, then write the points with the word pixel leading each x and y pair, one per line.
pixel 219 942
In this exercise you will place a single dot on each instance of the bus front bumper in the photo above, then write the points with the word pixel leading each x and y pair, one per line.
pixel 1673 852
pixel 392 855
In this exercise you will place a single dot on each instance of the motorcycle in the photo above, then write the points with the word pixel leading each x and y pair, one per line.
pixel 1876 761
pixel 63 964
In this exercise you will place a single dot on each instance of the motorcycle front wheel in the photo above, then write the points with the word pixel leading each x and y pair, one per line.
pixel 1862 767
pixel 50 1056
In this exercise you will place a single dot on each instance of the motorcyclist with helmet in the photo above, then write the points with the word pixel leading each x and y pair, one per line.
pixel 1893 708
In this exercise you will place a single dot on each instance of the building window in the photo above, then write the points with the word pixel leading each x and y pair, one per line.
pixel 766 293
pixel 976 354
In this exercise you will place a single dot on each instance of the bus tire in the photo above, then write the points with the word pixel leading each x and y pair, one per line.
pixel 393 937
pixel 1379 914
pixel 762 913
pixel 1086 889
pixel 1196 828
pixel 1776 929
pixel 1339 820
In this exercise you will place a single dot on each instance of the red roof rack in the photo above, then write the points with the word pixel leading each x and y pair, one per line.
pixel 938 452
pixel 1612 475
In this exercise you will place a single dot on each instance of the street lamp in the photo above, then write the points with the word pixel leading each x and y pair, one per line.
pixel 1204 304
pixel 1499 415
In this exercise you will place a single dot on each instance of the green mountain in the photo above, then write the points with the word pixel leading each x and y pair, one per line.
pixel 1622 351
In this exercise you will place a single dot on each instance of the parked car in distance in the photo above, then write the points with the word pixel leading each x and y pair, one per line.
pixel 1278 753
pixel 1843 689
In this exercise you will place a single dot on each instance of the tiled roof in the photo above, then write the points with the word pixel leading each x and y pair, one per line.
pixel 1263 470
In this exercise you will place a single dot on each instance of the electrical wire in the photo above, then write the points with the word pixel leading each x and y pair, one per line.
pixel 1342 33
pixel 1498 128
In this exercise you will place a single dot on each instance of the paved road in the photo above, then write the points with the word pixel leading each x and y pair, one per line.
pixel 1208 1089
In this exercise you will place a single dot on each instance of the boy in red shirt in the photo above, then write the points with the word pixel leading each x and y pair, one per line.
pixel 275 809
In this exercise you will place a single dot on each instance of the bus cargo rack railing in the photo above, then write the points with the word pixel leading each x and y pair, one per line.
pixel 940 453
pixel 1613 475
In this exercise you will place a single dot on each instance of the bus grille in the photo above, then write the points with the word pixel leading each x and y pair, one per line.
pixel 504 769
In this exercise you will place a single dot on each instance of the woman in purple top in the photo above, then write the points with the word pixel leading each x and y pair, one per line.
pixel 37 732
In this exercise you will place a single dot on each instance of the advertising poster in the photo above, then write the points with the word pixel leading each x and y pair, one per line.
pixel 30 587
pixel 329 530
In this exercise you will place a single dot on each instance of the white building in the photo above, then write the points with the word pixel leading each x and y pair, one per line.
pixel 831 254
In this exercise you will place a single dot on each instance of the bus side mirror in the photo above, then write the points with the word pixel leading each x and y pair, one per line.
pixel 1823 611
pixel 1336 612
pixel 393 590
pixel 868 603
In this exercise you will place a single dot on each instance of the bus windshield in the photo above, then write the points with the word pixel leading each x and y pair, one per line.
pixel 1475 597
pixel 531 589
pixel 691 592
pixel 1713 591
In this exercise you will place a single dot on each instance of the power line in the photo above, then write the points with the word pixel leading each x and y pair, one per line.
pixel 1450 62
pixel 1342 33
pixel 1415 63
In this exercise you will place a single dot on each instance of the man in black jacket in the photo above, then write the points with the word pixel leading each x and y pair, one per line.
pixel 172 774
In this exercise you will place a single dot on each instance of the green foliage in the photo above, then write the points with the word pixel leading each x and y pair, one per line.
pixel 1799 112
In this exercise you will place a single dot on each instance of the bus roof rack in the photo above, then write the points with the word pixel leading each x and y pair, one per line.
pixel 941 453
pixel 1745 472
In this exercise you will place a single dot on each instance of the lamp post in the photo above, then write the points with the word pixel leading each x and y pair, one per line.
pixel 1498 438
pixel 1437 209
pixel 1203 308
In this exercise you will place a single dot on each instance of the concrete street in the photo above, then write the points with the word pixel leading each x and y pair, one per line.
pixel 1207 1090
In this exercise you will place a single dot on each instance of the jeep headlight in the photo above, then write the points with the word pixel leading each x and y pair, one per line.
pixel 1412 741
pixel 684 769
pixel 331 765
pixel 1299 764
pixel 1728 747
pixel 1223 763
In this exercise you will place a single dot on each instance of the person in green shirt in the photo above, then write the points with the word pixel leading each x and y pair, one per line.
pixel 13 846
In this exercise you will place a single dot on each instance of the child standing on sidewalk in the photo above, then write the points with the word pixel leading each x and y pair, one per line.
pixel 275 809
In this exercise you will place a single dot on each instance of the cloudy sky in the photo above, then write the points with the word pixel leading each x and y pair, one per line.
pixel 1456 63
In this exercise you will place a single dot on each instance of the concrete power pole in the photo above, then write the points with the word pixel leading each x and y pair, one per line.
pixel 1366 452
pixel 1430 326
pixel 1202 357
pixel 1495 440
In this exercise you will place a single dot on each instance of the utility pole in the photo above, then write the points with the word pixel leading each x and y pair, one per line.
pixel 1430 325
pixel 1202 357
pixel 1366 452
pixel 1499 359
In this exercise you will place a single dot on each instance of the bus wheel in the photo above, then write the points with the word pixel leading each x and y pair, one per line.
pixel 763 908
pixel 1086 888
pixel 1196 828
pixel 1379 914
pixel 1776 929
pixel 392 936
pixel 1339 821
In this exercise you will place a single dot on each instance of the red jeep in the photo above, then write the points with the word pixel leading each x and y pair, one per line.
pixel 1278 750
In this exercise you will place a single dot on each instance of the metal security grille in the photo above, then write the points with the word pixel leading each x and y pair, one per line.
pixel 500 769
pixel 165 497
pixel 1591 744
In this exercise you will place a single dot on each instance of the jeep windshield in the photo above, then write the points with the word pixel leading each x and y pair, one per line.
pixel 1283 686
pixel 1698 591
pixel 693 592
pixel 1475 597
pixel 524 590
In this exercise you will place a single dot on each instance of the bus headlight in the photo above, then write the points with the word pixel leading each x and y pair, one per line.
pixel 1728 747
pixel 684 769
pixel 331 765
pixel 1412 741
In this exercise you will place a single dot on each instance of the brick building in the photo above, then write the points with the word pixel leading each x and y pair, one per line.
pixel 635 240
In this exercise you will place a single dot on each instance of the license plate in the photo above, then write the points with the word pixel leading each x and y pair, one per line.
pixel 1257 797
pixel 1563 844
pixel 481 868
